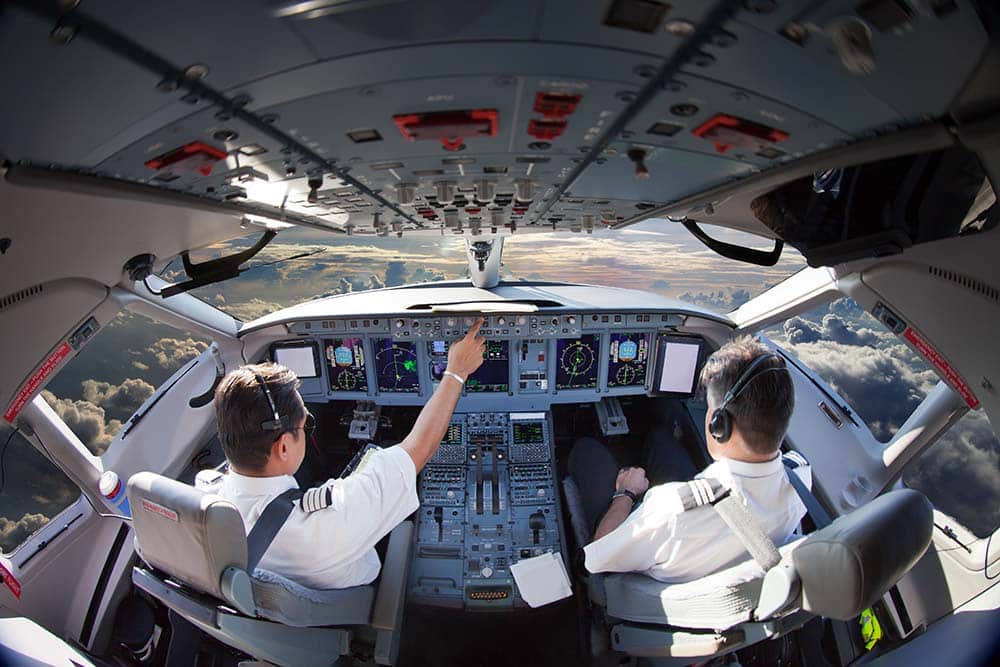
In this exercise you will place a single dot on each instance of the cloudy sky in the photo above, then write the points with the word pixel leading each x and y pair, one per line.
pixel 879 376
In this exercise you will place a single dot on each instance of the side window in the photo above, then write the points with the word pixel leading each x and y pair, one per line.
pixel 115 373
pixel 960 474
pixel 32 490
pixel 866 364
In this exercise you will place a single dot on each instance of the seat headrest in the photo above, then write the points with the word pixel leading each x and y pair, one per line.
pixel 190 535
pixel 847 566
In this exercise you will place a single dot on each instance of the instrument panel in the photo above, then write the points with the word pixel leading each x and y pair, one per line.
pixel 536 358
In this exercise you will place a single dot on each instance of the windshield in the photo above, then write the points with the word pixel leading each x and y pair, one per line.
pixel 657 255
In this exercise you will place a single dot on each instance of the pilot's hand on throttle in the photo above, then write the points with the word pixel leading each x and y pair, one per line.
pixel 466 355
pixel 632 479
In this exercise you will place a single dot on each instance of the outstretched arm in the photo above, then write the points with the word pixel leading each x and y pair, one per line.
pixel 464 357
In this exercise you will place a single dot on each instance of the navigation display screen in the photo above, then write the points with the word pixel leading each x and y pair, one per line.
pixel 677 365
pixel 576 362
pixel 628 356
pixel 395 366
pixel 345 363
pixel 494 374
pixel 528 432
pixel 298 358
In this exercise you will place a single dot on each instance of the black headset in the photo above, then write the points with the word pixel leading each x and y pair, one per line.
pixel 721 423
pixel 280 422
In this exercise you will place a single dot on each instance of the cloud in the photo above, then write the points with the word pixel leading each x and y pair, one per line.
pixel 119 401
pixel 395 273
pixel 424 275
pixel 660 284
pixel 720 300
pixel 172 352
pixel 87 420
pixel 252 309
pixel 960 474
pixel 13 533
pixel 374 282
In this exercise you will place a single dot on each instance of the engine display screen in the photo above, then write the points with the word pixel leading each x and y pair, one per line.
pixel 396 366
pixel 494 374
pixel 528 432
pixel 576 362
pixel 345 363
pixel 628 356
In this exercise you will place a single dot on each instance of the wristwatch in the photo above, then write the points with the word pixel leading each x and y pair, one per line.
pixel 627 494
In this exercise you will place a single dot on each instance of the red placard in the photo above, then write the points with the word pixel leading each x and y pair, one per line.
pixel 942 366
pixel 10 582
pixel 36 381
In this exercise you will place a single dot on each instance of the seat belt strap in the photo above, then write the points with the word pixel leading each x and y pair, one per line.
pixel 735 514
pixel 819 516
pixel 270 522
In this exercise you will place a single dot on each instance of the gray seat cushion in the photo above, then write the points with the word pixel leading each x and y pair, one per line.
pixel 716 602
pixel 284 601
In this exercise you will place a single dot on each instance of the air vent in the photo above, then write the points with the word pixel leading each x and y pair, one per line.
pixel 11 299
pixel 979 287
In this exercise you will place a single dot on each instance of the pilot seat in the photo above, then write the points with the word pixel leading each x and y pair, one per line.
pixel 194 548
pixel 835 572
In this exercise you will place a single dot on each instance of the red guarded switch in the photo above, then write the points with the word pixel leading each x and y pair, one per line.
pixel 449 127
pixel 556 105
pixel 729 131
pixel 194 156
pixel 546 130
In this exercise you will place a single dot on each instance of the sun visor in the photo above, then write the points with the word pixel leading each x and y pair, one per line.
pixel 880 208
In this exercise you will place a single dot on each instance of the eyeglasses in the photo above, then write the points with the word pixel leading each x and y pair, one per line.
pixel 309 426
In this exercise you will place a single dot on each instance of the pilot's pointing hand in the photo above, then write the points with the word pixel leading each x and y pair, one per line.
pixel 466 355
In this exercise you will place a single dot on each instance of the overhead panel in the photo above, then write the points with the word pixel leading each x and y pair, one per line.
pixel 62 100
pixel 238 41
pixel 393 24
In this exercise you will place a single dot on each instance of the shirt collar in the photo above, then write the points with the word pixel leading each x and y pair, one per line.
pixel 745 469
pixel 260 486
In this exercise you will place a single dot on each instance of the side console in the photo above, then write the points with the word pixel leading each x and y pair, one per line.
pixel 488 498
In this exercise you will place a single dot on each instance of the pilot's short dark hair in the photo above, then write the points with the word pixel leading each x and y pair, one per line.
pixel 762 410
pixel 241 407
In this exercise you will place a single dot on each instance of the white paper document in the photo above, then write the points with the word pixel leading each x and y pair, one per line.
pixel 541 579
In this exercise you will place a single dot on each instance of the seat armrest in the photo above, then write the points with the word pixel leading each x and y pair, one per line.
pixel 238 590
pixel 392 584
pixel 781 587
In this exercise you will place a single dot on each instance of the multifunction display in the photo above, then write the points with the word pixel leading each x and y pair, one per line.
pixel 576 362
pixel 396 366
pixel 628 356
pixel 494 374
pixel 345 363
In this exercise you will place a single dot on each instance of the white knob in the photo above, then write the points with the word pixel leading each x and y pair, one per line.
pixel 487 571
pixel 501 321
pixel 399 324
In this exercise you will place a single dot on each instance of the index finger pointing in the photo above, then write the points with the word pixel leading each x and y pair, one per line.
pixel 474 329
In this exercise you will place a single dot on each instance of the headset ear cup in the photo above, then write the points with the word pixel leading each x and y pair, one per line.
pixel 720 425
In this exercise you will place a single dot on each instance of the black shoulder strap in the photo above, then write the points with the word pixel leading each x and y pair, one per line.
pixel 270 522
pixel 819 516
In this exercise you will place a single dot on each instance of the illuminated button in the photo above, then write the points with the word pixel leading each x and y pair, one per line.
pixel 451 321
pixel 486 572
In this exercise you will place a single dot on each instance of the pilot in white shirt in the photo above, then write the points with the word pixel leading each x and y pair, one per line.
pixel 750 401
pixel 328 539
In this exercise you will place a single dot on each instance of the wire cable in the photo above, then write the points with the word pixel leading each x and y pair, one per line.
pixel 3 453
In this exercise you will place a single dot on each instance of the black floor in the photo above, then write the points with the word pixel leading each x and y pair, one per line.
pixel 441 637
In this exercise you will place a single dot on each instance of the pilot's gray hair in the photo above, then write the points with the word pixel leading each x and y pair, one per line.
pixel 241 407
pixel 763 409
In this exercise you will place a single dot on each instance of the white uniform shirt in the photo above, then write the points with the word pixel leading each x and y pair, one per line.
pixel 676 547
pixel 332 547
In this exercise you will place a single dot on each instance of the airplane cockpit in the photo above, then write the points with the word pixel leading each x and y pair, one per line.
pixel 609 192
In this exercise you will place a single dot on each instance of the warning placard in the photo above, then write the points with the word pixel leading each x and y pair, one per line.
pixel 36 381
pixel 943 367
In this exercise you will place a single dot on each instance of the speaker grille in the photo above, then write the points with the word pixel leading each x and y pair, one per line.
pixel 9 300
pixel 971 284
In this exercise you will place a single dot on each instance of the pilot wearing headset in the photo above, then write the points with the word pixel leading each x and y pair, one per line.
pixel 328 538
pixel 673 534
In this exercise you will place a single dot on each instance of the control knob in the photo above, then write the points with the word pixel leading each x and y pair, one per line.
pixel 406 192
pixel 486 572
pixel 445 191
